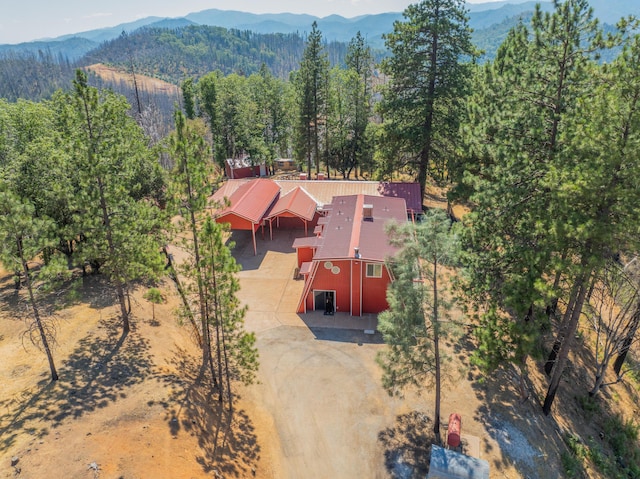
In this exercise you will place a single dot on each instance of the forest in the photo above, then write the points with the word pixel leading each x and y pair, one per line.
pixel 540 144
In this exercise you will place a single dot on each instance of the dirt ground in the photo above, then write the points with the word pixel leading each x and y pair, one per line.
pixel 130 407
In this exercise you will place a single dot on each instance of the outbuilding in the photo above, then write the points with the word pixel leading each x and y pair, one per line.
pixel 244 167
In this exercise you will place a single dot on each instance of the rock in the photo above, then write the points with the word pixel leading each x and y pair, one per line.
pixel 14 460
pixel 94 466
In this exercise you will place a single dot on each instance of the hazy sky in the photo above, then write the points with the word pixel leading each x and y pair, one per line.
pixel 26 20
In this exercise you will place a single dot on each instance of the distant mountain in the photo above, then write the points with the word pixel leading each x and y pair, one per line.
pixel 71 48
pixel 487 20
pixel 104 34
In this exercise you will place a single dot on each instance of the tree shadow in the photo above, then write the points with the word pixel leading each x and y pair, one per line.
pixel 97 373
pixel 407 445
pixel 227 440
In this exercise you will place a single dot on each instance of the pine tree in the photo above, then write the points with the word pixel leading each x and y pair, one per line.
pixel 429 72
pixel 190 188
pixel 236 355
pixel 413 325
pixel 23 237
pixel 116 216
pixel 311 85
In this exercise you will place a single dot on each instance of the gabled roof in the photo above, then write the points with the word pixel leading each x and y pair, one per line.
pixel 323 191
pixel 297 202
pixel 347 228
pixel 252 200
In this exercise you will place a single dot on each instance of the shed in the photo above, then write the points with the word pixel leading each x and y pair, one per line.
pixel 285 164
pixel 448 464
pixel 244 167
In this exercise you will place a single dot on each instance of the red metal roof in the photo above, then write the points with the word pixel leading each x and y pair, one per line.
pixel 305 242
pixel 324 191
pixel 297 202
pixel 252 200
pixel 347 227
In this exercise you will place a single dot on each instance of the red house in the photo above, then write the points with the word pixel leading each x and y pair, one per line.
pixel 344 264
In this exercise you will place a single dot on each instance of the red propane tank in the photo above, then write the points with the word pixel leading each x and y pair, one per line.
pixel 454 430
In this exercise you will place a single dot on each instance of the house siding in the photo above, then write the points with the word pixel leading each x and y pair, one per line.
pixel 374 292
pixel 304 255
pixel 356 288
pixel 326 280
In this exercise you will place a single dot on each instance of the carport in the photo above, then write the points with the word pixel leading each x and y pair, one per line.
pixel 248 206
pixel 297 203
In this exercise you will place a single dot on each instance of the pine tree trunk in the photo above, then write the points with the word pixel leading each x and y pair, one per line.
pixel 36 315
pixel 436 350
pixel 551 360
pixel 597 385
pixel 522 384
pixel 106 221
pixel 174 276
pixel 566 343
pixel 628 340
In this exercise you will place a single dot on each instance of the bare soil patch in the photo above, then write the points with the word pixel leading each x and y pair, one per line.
pixel 124 407
pixel 144 82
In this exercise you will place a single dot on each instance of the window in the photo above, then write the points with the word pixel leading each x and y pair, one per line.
pixel 374 270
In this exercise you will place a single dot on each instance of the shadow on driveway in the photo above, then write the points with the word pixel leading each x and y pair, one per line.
pixel 346 336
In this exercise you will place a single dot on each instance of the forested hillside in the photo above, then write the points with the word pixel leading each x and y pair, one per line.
pixel 192 51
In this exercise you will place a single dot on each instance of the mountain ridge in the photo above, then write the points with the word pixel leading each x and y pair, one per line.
pixel 483 16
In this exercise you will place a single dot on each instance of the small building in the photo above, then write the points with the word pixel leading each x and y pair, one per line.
pixel 244 167
pixel 285 164
pixel 449 464
pixel 344 264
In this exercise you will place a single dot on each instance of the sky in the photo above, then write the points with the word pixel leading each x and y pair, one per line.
pixel 27 20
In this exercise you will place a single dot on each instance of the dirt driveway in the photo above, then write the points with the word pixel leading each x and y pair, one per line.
pixel 320 385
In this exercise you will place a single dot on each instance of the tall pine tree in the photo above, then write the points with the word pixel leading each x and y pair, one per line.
pixel 429 68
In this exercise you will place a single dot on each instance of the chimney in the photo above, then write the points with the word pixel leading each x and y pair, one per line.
pixel 367 212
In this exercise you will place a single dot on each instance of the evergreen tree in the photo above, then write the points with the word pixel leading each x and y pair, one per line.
pixel 37 166
pixel 189 98
pixel 23 237
pixel 115 214
pixel 237 357
pixel 311 84
pixel 413 325
pixel 546 189
pixel 190 188
pixel 429 73
pixel 271 97
pixel 359 59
